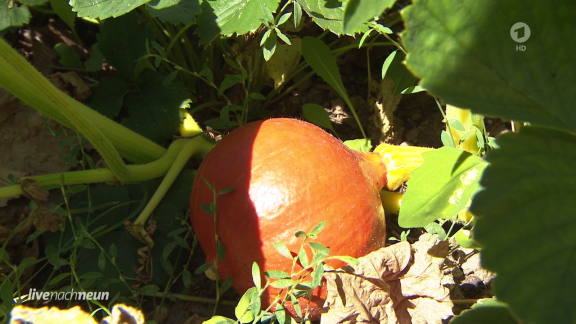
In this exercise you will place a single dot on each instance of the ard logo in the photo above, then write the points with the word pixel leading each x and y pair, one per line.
pixel 520 32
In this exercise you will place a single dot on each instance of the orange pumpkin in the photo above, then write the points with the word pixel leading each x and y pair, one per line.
pixel 287 175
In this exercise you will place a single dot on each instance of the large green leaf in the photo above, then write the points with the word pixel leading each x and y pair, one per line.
pixel 464 53
pixel 104 8
pixel 229 17
pixel 64 11
pixel 486 311
pixel 33 2
pixel 527 223
pixel 358 12
pixel 15 17
pixel 329 14
pixel 123 41
pixel 174 11
pixel 108 96
pixel 440 187
pixel 155 109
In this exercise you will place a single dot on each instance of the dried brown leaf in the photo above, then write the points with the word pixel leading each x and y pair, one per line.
pixel 71 84
pixel 45 219
pixel 398 284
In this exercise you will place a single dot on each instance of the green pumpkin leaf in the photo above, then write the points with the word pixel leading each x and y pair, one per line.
pixel 94 62
pixel 108 96
pixel 15 17
pixel 68 56
pixel 105 8
pixel 441 187
pixel 485 311
pixel 174 11
pixel 358 12
pixel 64 11
pixel 329 15
pixel 155 109
pixel 231 17
pixel 526 222
pixel 123 41
pixel 490 73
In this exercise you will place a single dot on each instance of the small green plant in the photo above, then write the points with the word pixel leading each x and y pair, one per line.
pixel 212 269
pixel 293 285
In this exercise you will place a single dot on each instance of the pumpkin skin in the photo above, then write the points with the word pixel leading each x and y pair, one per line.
pixel 287 175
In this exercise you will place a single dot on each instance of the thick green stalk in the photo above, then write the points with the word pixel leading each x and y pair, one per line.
pixel 27 83
pixel 21 79
pixel 190 147
pixel 198 145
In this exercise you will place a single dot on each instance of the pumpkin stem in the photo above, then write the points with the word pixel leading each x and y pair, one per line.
pixel 373 168
pixel 399 161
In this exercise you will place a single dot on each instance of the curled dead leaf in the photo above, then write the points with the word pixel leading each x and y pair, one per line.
pixel 71 84
pixel 398 284
pixel 32 190
pixel 45 219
